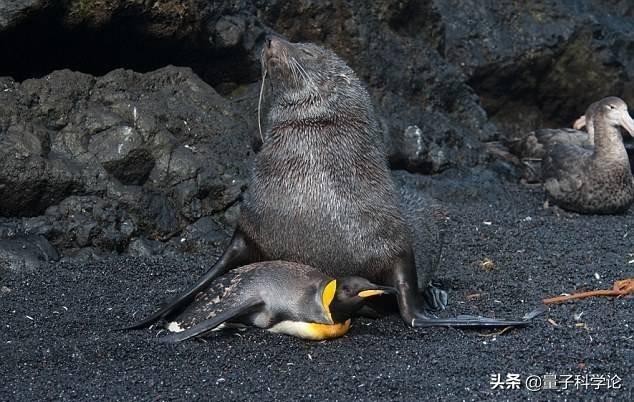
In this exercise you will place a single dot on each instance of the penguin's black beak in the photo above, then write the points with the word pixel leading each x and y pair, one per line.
pixel 377 291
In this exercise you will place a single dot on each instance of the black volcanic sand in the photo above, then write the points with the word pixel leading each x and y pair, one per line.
pixel 59 339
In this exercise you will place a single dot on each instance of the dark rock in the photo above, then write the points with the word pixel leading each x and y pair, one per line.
pixel 458 185
pixel 26 253
pixel 545 61
pixel 86 255
pixel 541 64
pixel 114 155
pixel 229 31
pixel 142 247
pixel 203 234
pixel 30 178
pixel 13 12
pixel 438 144
pixel 119 150
pixel 118 156
pixel 84 221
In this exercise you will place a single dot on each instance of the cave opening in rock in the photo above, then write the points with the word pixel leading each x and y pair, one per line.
pixel 45 43
pixel 550 88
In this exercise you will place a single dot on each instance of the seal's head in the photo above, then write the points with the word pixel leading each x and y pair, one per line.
pixel 309 78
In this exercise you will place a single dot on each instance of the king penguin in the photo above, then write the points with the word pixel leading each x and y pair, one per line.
pixel 279 296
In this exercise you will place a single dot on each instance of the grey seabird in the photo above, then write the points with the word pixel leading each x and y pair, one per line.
pixel 532 148
pixel 595 180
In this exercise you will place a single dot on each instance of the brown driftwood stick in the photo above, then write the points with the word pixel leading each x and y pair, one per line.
pixel 620 288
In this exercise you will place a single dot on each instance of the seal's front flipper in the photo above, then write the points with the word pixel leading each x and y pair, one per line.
pixel 208 325
pixel 424 320
pixel 239 252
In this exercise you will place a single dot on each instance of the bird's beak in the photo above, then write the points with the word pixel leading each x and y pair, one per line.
pixel 376 291
pixel 627 122
pixel 579 123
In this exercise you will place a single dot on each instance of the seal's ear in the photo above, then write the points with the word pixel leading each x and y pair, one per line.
pixel 345 78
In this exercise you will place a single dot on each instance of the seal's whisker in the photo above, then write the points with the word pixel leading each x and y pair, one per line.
pixel 296 72
pixel 299 66
pixel 287 62
pixel 260 105
pixel 305 74
pixel 262 62
pixel 298 69
pixel 311 82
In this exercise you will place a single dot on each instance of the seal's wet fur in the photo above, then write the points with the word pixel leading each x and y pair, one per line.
pixel 321 191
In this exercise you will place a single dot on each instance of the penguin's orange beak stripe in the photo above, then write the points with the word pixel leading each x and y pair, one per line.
pixel 327 296
pixel 373 292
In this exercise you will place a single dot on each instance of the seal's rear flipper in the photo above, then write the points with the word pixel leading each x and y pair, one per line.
pixel 238 252
pixel 467 321
pixel 435 298
pixel 473 321
pixel 208 325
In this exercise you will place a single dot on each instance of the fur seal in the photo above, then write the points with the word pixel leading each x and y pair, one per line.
pixel 279 296
pixel 320 190
pixel 594 180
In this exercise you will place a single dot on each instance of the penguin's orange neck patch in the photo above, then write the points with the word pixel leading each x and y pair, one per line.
pixel 319 332
pixel 327 296
pixel 311 330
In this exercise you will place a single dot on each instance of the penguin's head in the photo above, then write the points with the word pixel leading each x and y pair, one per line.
pixel 350 295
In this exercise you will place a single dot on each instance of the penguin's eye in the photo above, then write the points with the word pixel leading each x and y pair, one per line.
pixel 306 52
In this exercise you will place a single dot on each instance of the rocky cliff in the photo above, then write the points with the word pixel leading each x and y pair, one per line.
pixel 126 125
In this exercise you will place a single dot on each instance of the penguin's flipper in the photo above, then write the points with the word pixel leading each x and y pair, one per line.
pixel 207 325
pixel 473 321
pixel 238 252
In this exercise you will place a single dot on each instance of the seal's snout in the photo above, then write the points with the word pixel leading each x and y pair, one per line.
pixel 274 49
pixel 273 42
